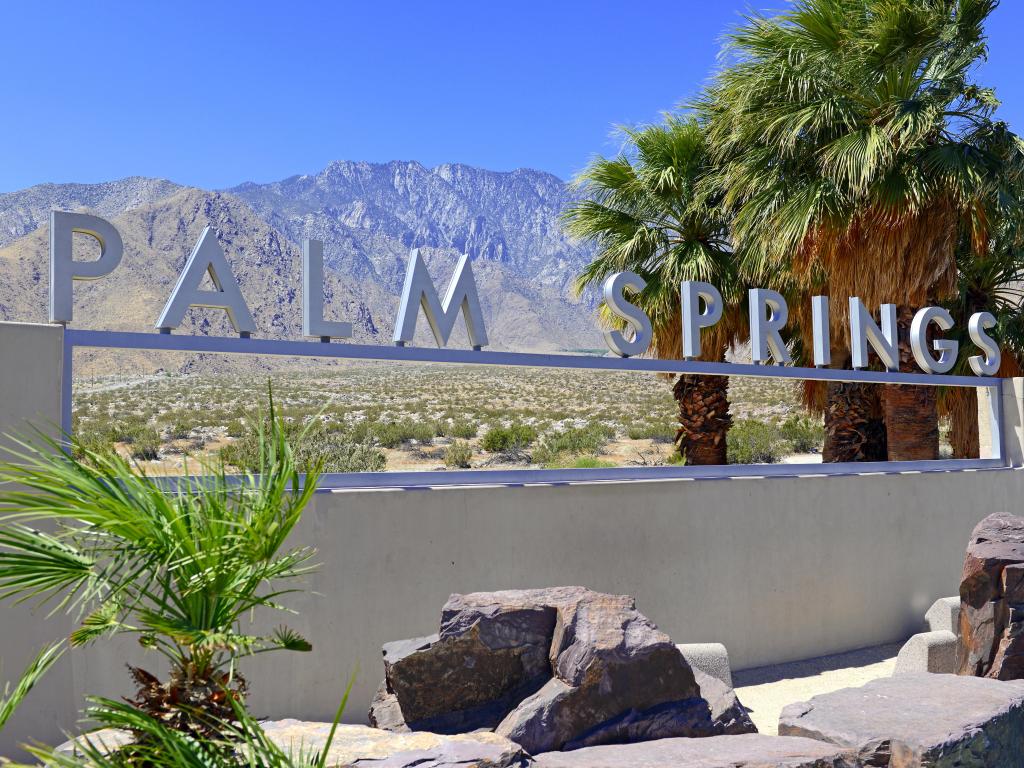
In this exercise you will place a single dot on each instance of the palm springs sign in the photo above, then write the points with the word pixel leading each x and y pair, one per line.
pixel 701 306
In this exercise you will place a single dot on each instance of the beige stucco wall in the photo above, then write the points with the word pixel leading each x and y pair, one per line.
pixel 776 569
pixel 30 360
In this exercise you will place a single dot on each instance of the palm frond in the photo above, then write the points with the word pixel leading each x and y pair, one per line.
pixel 35 671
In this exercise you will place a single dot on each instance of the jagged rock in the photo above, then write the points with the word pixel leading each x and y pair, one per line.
pixel 729 716
pixel 991 638
pixel 559 668
pixel 617 678
pixel 385 711
pixel 747 751
pixel 489 656
pixel 939 721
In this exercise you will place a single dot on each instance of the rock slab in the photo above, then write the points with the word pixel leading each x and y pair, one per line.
pixel 743 751
pixel 551 669
pixel 358 745
pixel 991 637
pixel 911 721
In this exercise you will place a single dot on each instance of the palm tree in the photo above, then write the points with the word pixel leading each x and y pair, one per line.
pixel 182 569
pixel 855 149
pixel 641 211
pixel 991 283
pixel 238 741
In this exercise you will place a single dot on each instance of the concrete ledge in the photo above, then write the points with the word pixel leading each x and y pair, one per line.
pixel 944 615
pixel 928 652
pixel 710 658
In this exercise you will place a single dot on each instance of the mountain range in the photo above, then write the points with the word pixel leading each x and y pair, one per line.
pixel 368 215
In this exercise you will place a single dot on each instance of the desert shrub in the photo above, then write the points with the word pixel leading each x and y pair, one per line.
pixel 391 434
pixel 661 432
pixel 751 441
pixel 463 429
pixel 236 428
pixel 90 440
pixel 339 453
pixel 145 444
pixel 458 455
pixel 514 437
pixel 179 428
pixel 576 441
pixel 127 429
pixel 333 451
pixel 803 433
pixel 579 462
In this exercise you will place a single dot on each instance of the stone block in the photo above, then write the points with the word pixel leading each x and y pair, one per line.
pixel 944 615
pixel 928 652
pixel 710 658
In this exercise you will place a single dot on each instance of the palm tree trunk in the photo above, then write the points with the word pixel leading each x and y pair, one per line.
pixel 911 423
pixel 911 413
pixel 962 406
pixel 853 424
pixel 704 418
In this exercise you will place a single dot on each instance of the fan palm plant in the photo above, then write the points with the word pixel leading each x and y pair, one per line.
pixel 239 741
pixel 179 568
pixel 991 283
pixel 641 211
pixel 854 147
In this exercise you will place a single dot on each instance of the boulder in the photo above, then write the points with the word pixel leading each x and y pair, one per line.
pixel 491 653
pixel 746 751
pixel 728 715
pixel 928 652
pixel 991 642
pixel 939 721
pixel 551 669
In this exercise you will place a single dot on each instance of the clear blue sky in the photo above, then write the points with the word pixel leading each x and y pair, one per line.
pixel 215 93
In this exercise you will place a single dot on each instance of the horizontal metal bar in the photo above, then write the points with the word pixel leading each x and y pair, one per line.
pixel 516 477
pixel 226 345
pixel 524 477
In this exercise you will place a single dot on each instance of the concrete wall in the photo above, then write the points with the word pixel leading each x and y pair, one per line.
pixel 30 360
pixel 776 569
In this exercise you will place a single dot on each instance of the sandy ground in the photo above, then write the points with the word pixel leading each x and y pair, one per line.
pixel 764 691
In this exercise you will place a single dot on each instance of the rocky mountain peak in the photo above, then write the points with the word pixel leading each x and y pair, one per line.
pixel 369 215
